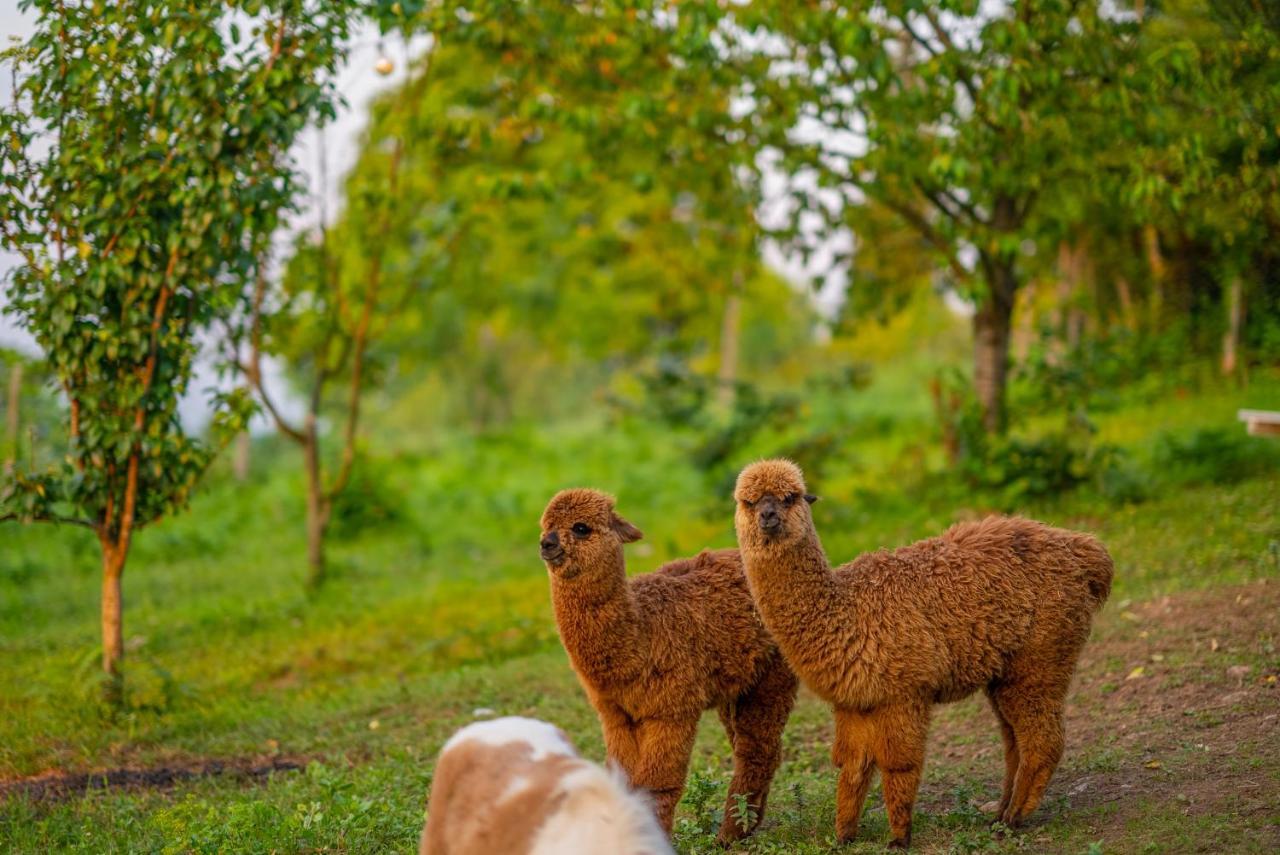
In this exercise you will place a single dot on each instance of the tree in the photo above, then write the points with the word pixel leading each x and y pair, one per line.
pixel 964 120
pixel 329 310
pixel 145 168
pixel 1207 167
pixel 537 157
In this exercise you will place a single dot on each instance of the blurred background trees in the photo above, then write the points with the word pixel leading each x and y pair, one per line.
pixel 705 226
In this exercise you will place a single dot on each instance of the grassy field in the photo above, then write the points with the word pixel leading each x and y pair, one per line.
pixel 263 719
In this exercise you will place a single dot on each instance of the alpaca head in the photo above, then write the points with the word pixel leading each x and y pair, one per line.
pixel 582 533
pixel 772 504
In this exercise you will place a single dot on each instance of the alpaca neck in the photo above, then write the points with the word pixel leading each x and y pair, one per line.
pixel 795 592
pixel 600 627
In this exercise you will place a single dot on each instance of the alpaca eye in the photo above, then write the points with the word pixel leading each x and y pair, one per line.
pixel 581 529
pixel 748 503
pixel 789 499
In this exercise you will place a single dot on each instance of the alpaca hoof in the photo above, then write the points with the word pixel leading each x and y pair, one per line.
pixel 846 835
pixel 727 837
pixel 900 842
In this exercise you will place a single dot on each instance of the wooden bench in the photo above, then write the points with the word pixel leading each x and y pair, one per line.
pixel 1261 422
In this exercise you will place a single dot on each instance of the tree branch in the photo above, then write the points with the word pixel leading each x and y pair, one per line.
pixel 276 44
pixel 964 77
pixel 961 212
pixel 253 369
pixel 50 518
pixel 928 232
pixel 360 343
pixel 21 248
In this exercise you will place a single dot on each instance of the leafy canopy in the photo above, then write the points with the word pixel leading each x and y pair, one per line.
pixel 144 168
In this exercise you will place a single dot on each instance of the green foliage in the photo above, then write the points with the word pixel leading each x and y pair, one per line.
pixel 371 500
pixel 1101 372
pixel 1214 455
pixel 145 168
pixel 965 123
pixel 1018 469
pixel 1209 153
pixel 604 224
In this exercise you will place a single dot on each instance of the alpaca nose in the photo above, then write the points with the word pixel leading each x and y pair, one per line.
pixel 550 545
pixel 770 522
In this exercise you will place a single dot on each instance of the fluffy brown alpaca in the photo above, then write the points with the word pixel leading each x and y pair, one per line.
pixel 1002 605
pixel 655 652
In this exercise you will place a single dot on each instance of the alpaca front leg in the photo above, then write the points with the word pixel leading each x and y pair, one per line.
pixel 898 748
pixel 852 754
pixel 655 755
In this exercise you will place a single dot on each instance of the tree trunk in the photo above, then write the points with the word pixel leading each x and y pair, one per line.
pixel 1125 295
pixel 317 512
pixel 1235 319
pixel 12 423
pixel 1158 268
pixel 240 461
pixel 991 327
pixel 113 558
pixel 727 380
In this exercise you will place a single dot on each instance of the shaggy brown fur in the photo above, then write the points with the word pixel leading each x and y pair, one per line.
pixel 1002 605
pixel 654 652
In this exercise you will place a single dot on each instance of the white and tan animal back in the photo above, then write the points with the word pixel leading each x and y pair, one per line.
pixel 516 785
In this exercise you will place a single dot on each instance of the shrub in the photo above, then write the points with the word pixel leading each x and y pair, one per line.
pixel 372 499
pixel 1214 455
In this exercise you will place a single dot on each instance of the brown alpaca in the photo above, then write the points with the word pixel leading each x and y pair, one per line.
pixel 655 652
pixel 1002 605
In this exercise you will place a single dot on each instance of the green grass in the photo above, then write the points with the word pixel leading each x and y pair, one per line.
pixel 445 610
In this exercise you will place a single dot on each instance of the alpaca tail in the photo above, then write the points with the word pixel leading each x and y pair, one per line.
pixel 1097 570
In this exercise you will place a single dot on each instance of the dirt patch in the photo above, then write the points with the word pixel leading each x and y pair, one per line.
pixel 54 785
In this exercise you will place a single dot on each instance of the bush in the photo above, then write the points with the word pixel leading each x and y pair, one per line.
pixel 1101 371
pixel 1214 455
pixel 371 500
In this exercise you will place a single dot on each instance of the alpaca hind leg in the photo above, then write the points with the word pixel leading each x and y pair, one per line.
pixel 728 719
pixel 1010 755
pixel 755 730
pixel 852 754
pixel 1036 718
pixel 898 749
pixel 654 753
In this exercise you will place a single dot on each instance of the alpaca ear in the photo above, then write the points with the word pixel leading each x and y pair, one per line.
pixel 810 498
pixel 626 532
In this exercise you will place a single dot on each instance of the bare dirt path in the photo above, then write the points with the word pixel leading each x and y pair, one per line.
pixel 53 785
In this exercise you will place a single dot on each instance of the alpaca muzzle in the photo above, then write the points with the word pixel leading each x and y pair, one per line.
pixel 769 519
pixel 550 548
